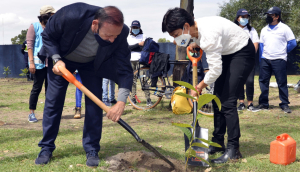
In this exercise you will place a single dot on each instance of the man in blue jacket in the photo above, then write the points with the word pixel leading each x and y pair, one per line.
pixel 92 40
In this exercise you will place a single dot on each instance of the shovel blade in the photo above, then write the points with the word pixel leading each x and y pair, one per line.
pixel 200 151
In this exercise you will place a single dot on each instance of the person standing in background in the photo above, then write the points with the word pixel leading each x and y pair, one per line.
pixel 36 66
pixel 24 51
pixel 111 84
pixel 243 20
pixel 136 41
pixel 276 40
pixel 78 97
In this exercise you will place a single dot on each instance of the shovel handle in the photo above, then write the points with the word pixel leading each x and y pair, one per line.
pixel 69 77
pixel 195 61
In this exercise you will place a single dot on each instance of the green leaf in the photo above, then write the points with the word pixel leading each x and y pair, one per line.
pixel 209 142
pixel 190 152
pixel 185 95
pixel 182 125
pixel 203 114
pixel 187 85
pixel 202 159
pixel 200 145
pixel 204 99
pixel 184 128
pixel 218 102
pixel 199 115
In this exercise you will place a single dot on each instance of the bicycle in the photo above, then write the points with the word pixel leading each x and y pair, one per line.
pixel 145 90
pixel 163 88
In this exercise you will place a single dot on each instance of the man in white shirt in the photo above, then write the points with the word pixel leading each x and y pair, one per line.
pixel 276 40
pixel 230 57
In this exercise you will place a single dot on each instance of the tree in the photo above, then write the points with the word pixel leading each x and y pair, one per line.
pixel 289 8
pixel 163 40
pixel 20 38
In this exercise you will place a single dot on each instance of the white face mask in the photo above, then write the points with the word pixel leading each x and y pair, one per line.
pixel 183 39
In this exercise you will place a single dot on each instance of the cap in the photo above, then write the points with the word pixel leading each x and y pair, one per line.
pixel 242 12
pixel 274 10
pixel 135 23
pixel 47 9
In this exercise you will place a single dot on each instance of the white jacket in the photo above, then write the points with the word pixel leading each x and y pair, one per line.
pixel 218 36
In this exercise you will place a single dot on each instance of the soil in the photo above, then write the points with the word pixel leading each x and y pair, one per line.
pixel 141 161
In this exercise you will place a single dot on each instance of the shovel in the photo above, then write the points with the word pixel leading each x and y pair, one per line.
pixel 199 132
pixel 70 78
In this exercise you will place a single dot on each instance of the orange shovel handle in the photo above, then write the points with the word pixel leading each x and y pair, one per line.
pixel 194 60
pixel 69 77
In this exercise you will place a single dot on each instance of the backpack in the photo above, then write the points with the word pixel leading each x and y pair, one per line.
pixel 180 105
pixel 150 47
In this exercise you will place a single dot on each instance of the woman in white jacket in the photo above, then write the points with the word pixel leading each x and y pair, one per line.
pixel 230 57
pixel 136 41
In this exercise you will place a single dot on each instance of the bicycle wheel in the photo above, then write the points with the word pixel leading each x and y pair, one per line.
pixel 206 109
pixel 144 93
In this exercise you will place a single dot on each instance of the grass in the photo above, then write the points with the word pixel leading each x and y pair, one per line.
pixel 19 139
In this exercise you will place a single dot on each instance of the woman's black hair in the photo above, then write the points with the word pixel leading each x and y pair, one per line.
pixel 141 32
pixel 279 19
pixel 175 19
pixel 44 18
pixel 238 23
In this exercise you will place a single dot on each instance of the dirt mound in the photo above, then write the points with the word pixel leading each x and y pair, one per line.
pixel 141 161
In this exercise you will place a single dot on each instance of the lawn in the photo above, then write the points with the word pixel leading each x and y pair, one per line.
pixel 19 138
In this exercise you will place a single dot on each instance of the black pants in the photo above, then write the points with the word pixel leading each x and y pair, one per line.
pixel 279 68
pixel 249 87
pixel 54 104
pixel 236 69
pixel 38 80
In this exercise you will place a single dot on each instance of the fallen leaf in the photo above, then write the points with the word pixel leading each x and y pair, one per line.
pixel 2 123
pixel 6 151
pixel 244 160
pixel 207 170
pixel 160 146
pixel 79 165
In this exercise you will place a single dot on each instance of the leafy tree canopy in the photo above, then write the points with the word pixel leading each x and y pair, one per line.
pixel 290 11
pixel 162 40
pixel 20 38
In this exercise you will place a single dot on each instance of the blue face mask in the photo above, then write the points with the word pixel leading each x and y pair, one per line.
pixel 243 21
pixel 101 42
pixel 135 31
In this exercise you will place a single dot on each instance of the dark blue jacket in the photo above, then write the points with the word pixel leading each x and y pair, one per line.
pixel 67 28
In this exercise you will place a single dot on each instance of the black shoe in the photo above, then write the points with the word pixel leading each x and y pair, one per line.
pixel 92 159
pixel 232 154
pixel 262 107
pixel 213 150
pixel 252 108
pixel 43 157
pixel 241 107
pixel 286 109
pixel 114 101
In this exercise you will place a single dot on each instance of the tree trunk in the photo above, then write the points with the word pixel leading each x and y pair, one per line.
pixel 179 69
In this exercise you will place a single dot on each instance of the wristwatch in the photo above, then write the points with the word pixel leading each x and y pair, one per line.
pixel 55 61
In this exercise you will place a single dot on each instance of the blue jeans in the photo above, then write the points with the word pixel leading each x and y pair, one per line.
pixel 105 84
pixel 78 94
pixel 265 72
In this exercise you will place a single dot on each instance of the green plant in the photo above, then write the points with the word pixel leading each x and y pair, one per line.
pixel 24 72
pixel 202 100
pixel 7 71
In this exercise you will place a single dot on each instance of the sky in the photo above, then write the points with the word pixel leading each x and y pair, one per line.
pixel 17 15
